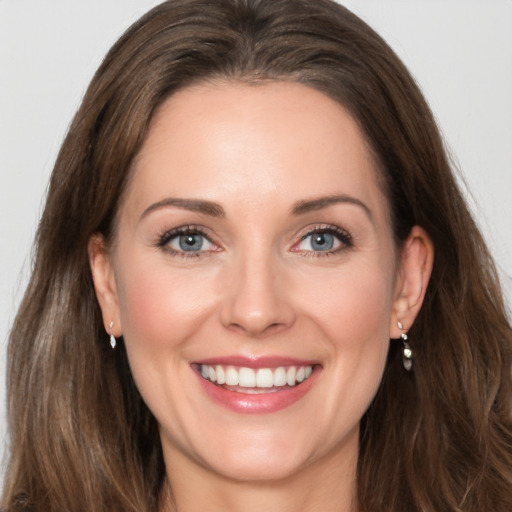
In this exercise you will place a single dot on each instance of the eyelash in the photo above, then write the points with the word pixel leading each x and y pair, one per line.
pixel 343 237
pixel 163 241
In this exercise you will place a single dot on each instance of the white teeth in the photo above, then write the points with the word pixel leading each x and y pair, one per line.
pixel 221 376
pixel 290 376
pixel 264 378
pixel 280 377
pixel 261 378
pixel 231 376
pixel 247 378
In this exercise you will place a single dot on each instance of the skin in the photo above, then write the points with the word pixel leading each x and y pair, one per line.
pixel 258 287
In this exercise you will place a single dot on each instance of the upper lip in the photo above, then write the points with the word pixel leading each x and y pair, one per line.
pixel 256 361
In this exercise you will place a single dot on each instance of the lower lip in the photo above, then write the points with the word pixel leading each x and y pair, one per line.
pixel 258 403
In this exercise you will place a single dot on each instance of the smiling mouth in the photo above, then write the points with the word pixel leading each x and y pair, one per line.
pixel 255 381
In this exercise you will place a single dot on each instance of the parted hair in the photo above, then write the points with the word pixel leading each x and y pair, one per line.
pixel 437 439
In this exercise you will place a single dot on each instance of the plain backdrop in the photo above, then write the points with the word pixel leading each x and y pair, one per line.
pixel 460 51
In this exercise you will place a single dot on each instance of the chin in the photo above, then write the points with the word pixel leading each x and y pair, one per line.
pixel 269 454
pixel 257 468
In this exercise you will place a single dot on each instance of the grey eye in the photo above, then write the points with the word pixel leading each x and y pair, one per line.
pixel 191 242
pixel 322 241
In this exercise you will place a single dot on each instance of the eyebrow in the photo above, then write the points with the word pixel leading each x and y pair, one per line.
pixel 312 205
pixel 215 210
pixel 193 205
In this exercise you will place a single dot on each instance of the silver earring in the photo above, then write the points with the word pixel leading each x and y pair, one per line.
pixel 112 337
pixel 406 350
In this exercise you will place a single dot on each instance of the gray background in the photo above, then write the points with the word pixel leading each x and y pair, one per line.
pixel 459 51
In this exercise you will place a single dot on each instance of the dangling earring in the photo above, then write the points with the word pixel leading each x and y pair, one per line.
pixel 406 350
pixel 112 337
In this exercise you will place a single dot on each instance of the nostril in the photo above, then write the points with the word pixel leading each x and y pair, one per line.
pixel 257 329
pixel 256 304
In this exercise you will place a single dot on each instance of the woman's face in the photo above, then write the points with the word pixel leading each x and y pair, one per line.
pixel 254 277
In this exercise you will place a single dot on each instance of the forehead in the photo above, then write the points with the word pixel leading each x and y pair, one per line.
pixel 277 141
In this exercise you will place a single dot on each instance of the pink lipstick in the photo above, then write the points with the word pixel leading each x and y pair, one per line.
pixel 256 385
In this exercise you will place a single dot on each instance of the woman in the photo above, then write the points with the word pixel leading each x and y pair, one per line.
pixel 251 201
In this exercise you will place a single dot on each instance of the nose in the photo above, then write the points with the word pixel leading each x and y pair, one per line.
pixel 256 300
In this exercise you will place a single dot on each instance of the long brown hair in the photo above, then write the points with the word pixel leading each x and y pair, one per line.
pixel 437 439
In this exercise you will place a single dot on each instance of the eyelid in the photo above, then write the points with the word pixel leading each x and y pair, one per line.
pixel 164 239
pixel 344 237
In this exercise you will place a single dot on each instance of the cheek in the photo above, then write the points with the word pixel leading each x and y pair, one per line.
pixel 354 314
pixel 352 304
pixel 353 311
pixel 159 307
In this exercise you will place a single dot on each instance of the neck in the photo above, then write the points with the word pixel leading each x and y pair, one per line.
pixel 327 485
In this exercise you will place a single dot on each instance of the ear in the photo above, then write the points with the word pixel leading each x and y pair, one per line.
pixel 100 261
pixel 416 260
